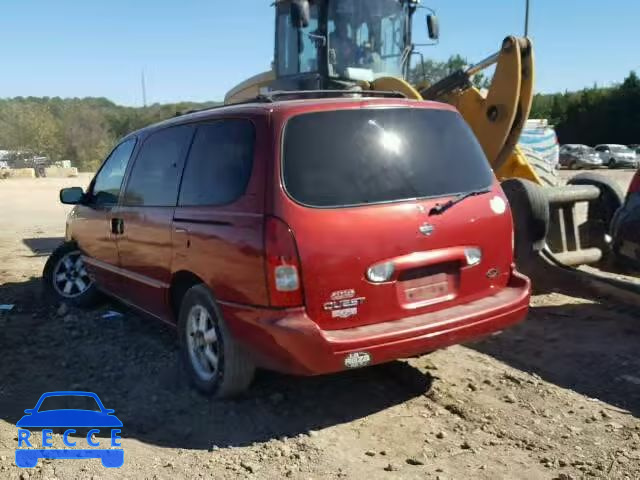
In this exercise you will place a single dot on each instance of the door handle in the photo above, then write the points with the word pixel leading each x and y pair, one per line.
pixel 117 226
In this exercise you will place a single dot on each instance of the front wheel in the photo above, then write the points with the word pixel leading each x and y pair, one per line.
pixel 66 278
pixel 217 364
pixel 612 163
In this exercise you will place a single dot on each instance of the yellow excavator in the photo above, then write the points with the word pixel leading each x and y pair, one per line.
pixel 364 45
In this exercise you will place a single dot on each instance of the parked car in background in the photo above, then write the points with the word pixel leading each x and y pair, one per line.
pixel 635 147
pixel 4 170
pixel 617 156
pixel 625 228
pixel 268 240
pixel 576 156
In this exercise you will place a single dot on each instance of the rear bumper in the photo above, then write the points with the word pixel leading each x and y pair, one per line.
pixel 289 341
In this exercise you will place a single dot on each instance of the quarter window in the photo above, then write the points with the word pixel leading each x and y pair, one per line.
pixel 156 173
pixel 219 164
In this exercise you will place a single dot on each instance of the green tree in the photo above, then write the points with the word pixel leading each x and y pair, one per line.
pixel 30 125
pixel 80 130
pixel 432 71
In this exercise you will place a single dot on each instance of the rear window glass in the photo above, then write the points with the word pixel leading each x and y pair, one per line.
pixel 356 157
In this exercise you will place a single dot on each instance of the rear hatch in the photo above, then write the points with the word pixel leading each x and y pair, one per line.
pixel 369 196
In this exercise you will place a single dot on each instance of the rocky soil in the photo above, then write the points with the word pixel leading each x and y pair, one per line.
pixel 557 397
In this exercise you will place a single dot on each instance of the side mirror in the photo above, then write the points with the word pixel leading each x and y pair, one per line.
pixel 433 26
pixel 29 411
pixel 300 13
pixel 71 196
pixel 109 411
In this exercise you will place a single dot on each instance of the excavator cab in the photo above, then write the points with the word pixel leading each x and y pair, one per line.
pixel 327 44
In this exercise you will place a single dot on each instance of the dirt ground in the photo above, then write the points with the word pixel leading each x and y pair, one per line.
pixel 557 397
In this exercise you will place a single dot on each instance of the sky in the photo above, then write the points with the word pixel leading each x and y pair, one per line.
pixel 196 50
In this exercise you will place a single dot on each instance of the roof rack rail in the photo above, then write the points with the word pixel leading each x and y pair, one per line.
pixel 222 105
pixel 270 97
pixel 297 94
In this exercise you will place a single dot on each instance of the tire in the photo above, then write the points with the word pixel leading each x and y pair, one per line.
pixel 612 163
pixel 602 211
pixel 545 171
pixel 573 166
pixel 235 370
pixel 66 260
pixel 530 211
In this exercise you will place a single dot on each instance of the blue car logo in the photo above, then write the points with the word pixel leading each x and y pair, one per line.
pixel 68 419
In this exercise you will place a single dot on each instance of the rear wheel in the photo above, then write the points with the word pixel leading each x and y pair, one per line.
pixel 66 278
pixel 601 211
pixel 530 210
pixel 612 163
pixel 216 362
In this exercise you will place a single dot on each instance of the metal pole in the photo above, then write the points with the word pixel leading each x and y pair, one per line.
pixel 526 20
pixel 144 90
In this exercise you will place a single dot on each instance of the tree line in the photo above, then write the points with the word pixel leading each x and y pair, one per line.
pixel 81 130
pixel 84 130
pixel 594 115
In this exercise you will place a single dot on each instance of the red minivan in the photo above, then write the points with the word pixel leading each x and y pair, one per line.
pixel 307 236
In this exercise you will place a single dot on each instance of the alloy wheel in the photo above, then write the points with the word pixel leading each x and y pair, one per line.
pixel 70 276
pixel 203 343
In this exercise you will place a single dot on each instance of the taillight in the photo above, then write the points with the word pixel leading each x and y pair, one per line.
pixel 283 265
pixel 635 184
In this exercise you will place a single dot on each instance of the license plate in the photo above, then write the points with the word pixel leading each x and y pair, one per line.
pixel 427 288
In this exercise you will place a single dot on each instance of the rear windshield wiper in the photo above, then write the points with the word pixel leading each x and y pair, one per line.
pixel 443 207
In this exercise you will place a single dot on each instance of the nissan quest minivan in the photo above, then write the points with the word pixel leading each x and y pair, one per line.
pixel 304 236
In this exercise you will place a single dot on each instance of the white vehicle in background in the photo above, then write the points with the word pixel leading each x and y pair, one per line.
pixel 4 170
pixel 540 139
pixel 617 156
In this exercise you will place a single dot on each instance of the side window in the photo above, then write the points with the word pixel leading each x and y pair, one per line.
pixel 297 51
pixel 309 49
pixel 108 182
pixel 155 176
pixel 287 45
pixel 219 164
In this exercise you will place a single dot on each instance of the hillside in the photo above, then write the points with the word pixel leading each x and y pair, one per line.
pixel 82 130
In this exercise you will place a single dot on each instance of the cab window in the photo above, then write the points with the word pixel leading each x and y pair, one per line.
pixel 296 50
